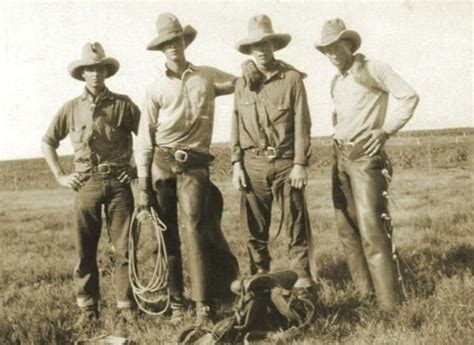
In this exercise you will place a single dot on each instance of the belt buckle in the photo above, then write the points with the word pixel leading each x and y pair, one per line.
pixel 273 153
pixel 104 169
pixel 180 156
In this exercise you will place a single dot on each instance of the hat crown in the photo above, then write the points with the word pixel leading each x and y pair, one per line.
pixel 332 27
pixel 260 24
pixel 168 23
pixel 93 51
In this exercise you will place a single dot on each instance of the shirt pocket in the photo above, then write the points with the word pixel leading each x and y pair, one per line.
pixel 78 134
pixel 247 109
pixel 115 133
pixel 280 113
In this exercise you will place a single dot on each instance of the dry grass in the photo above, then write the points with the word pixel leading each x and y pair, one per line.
pixel 434 230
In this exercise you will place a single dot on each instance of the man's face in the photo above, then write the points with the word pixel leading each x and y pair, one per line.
pixel 262 53
pixel 94 76
pixel 174 49
pixel 340 54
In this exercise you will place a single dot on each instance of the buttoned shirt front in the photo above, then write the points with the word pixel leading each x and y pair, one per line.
pixel 179 112
pixel 100 129
pixel 359 109
pixel 276 116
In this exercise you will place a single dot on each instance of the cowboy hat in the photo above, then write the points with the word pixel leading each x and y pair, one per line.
pixel 92 55
pixel 260 29
pixel 169 28
pixel 334 30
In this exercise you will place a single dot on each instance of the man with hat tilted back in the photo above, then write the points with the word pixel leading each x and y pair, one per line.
pixel 271 147
pixel 362 171
pixel 99 123
pixel 173 158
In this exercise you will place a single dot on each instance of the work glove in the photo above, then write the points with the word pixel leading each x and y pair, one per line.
pixel 253 78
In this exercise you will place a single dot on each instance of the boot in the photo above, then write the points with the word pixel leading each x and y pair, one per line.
pixel 204 315
pixel 178 308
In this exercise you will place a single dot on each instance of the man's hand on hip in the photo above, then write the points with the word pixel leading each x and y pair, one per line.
pixel 72 181
pixel 377 139
pixel 298 176
pixel 238 176
pixel 127 175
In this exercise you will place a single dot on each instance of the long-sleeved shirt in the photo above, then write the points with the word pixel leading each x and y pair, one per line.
pixel 100 129
pixel 179 112
pixel 276 116
pixel 359 109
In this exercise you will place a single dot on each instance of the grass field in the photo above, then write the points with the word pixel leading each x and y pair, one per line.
pixel 434 231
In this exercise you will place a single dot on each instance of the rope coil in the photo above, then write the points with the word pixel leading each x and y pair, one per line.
pixel 144 292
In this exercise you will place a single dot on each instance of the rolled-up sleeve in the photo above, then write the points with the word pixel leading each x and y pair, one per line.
pixel 223 82
pixel 404 96
pixel 302 124
pixel 146 132
pixel 58 128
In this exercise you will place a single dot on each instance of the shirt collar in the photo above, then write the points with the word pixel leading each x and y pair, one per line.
pixel 189 67
pixel 105 94
pixel 278 73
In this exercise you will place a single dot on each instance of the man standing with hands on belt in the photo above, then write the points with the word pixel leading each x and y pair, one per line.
pixel 99 123
pixel 362 171
pixel 271 146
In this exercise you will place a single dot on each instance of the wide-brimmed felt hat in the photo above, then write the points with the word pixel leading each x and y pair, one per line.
pixel 260 29
pixel 169 28
pixel 334 30
pixel 93 54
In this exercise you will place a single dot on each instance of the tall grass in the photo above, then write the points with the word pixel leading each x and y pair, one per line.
pixel 434 231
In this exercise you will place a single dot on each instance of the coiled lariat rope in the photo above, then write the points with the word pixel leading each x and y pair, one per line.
pixel 156 289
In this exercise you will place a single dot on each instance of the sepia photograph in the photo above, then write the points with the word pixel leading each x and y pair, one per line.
pixel 251 172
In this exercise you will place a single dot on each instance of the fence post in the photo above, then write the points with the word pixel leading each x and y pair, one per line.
pixel 15 182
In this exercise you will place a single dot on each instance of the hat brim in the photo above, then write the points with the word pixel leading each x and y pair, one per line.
pixel 279 41
pixel 75 68
pixel 189 34
pixel 351 35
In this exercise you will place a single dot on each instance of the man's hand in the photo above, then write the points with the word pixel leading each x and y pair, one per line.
pixel 298 176
pixel 127 175
pixel 72 181
pixel 252 76
pixel 238 176
pixel 143 205
pixel 377 139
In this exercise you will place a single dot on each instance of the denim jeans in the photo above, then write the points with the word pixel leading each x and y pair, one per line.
pixel 99 192
pixel 358 195
pixel 266 181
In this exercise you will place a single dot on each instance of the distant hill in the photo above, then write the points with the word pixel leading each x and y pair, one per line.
pixel 408 149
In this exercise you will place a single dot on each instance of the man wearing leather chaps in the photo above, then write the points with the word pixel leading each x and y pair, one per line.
pixel 362 170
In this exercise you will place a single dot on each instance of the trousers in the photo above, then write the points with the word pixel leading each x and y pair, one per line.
pixel 101 191
pixel 268 181
pixel 358 187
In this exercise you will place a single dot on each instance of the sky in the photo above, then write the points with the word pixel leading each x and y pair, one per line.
pixel 429 44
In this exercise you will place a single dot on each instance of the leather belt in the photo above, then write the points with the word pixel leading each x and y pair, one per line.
pixel 271 153
pixel 107 169
pixel 180 160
